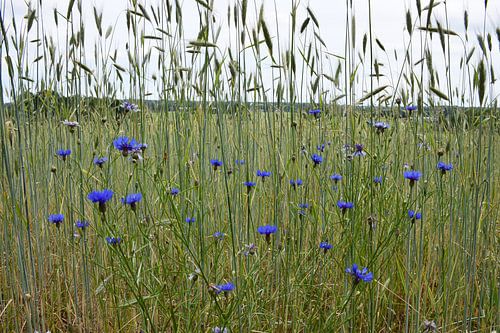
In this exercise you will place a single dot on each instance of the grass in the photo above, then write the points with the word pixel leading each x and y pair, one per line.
pixel 434 273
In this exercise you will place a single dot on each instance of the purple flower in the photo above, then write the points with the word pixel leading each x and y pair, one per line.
pixel 63 153
pixel 413 176
pixel 125 145
pixel 377 179
pixel 249 185
pixel 132 200
pixel 325 246
pixel 99 161
pixel 219 235
pixel 267 230
pixel 296 182
pixel 225 288
pixel 359 150
pixel 174 191
pixel 57 219
pixel 82 225
pixel 127 106
pixel 317 159
pixel 359 275
pixel 380 126
pixel 216 163
pixel 101 198
pixel 263 174
pixel 344 205
pixel 413 215
pixel 411 108
pixel 336 177
pixel 316 112
pixel 443 167
pixel 190 220
pixel 113 240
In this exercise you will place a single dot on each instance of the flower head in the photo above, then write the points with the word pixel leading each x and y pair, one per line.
pixel 249 185
pixel 57 219
pixel 413 176
pixel 359 275
pixel 377 179
pixel 359 150
pixel 218 329
pixel 100 197
pixel 304 205
pixel 132 200
pixel 174 191
pixel 413 215
pixel 317 159
pixel 380 126
pixel 315 112
pixel 113 240
pixel 336 177
pixel 443 167
pixel 82 224
pixel 219 235
pixel 63 153
pixel 226 288
pixel 325 246
pixel 263 174
pixel 267 229
pixel 250 249
pixel 72 125
pixel 99 161
pixel 344 205
pixel 125 145
pixel 411 107
pixel 216 163
pixel 127 106
pixel 190 220
pixel 239 162
pixel 296 182
pixel 321 147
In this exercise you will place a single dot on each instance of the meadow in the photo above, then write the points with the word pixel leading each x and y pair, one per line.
pixel 231 204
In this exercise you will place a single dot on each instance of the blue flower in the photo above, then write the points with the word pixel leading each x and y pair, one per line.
pixel 263 174
pixel 377 179
pixel 325 246
pixel 219 235
pixel 239 162
pixel 141 146
pixel 344 205
pixel 63 153
pixel 414 215
pixel 359 150
pixel 249 185
pixel 174 191
pixel 411 108
pixel 413 176
pixel 296 182
pixel 380 126
pixel 190 220
pixel 444 167
pixel 101 197
pixel 127 106
pixel 125 145
pixel 226 288
pixel 267 229
pixel 359 275
pixel 57 219
pixel 132 200
pixel 315 112
pixel 82 224
pixel 113 240
pixel 321 148
pixel 304 205
pixel 336 177
pixel 317 159
pixel 218 329
pixel 216 163
pixel 99 161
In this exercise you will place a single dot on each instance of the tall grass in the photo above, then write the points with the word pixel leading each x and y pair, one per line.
pixel 247 104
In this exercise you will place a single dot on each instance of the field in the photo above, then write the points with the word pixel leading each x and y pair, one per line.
pixel 228 204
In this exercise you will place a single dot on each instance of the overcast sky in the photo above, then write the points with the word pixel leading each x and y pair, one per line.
pixel 388 25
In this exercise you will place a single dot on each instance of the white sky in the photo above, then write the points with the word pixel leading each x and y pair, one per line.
pixel 388 26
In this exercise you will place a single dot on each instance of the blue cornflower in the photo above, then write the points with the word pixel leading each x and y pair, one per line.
pixel 377 179
pixel 411 108
pixel 101 197
pixel 141 146
pixel 132 200
pixel 380 126
pixel 125 145
pixel 57 219
pixel 219 235
pixel 359 150
pixel 99 161
pixel 267 230
pixel 336 177
pixel 325 246
pixel 174 191
pixel 315 112
pixel 216 163
pixel 226 288
pixel 412 176
pixel 249 185
pixel 263 174
pixel 127 106
pixel 302 212
pixel 321 147
pixel 304 205
pixel 190 220
pixel 239 162
pixel 82 224
pixel 444 167
pixel 413 215
pixel 63 153
pixel 359 275
pixel 296 182
pixel 113 240
pixel 218 329
pixel 344 205
pixel 317 159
